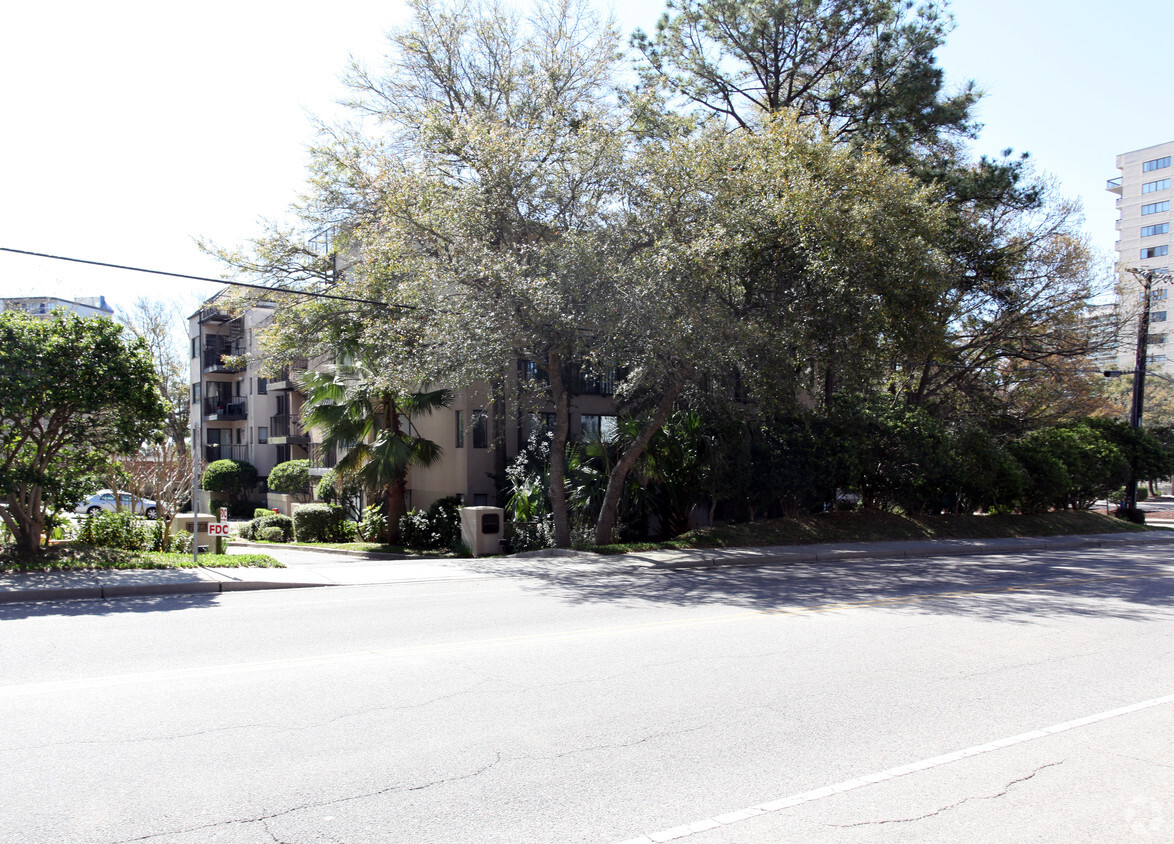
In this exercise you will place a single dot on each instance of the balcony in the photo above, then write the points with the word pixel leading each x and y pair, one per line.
pixel 214 357
pixel 1114 186
pixel 285 429
pixel 213 451
pixel 321 460
pixel 287 379
pixel 224 409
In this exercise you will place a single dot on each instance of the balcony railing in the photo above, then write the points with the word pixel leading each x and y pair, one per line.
pixel 1114 185
pixel 214 357
pixel 287 378
pixel 321 459
pixel 286 429
pixel 216 408
pixel 212 451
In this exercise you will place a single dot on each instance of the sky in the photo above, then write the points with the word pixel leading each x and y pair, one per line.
pixel 130 129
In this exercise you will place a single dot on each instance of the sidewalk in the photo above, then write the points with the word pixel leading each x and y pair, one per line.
pixel 311 568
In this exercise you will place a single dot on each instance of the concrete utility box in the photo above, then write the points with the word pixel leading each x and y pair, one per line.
pixel 183 521
pixel 482 529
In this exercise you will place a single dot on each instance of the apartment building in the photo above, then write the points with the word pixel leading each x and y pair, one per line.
pixel 242 415
pixel 1144 192
pixel 43 306
pixel 245 416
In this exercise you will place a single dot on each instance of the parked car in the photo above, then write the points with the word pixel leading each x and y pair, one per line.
pixel 103 499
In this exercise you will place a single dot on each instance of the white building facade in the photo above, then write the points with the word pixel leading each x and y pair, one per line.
pixel 1145 190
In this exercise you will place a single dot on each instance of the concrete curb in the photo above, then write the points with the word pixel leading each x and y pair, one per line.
pixel 632 562
pixel 137 590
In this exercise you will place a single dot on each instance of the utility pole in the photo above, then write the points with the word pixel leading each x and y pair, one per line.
pixel 1129 505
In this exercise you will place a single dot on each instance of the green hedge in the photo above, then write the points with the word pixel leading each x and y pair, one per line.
pixel 319 523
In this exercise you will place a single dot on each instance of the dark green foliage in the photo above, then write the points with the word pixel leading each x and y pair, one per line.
pixel 73 393
pixel 990 479
pixel 291 478
pixel 231 477
pixel 269 519
pixel 437 528
pixel 319 523
pixel 334 489
pixel 904 457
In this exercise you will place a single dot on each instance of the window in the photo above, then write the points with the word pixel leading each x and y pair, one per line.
pixel 1155 295
pixel 1155 207
pixel 240 436
pixel 480 429
pixel 262 435
pixel 480 499
pixel 1157 316
pixel 460 429
pixel 262 386
pixel 1156 358
pixel 1155 252
pixel 1150 231
pixel 1150 187
pixel 1155 339
pixel 195 393
pixel 1155 164
pixel 590 426
pixel 195 347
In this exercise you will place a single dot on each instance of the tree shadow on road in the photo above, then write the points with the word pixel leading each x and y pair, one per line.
pixel 106 606
pixel 1129 583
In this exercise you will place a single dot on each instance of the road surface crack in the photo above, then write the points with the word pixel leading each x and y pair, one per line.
pixel 317 804
pixel 951 806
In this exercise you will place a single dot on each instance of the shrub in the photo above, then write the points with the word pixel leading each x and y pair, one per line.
pixel 261 512
pixel 230 477
pixel 318 523
pixel 180 542
pixel 271 534
pixel 373 527
pixel 291 478
pixel 255 528
pixel 334 489
pixel 123 531
pixel 439 527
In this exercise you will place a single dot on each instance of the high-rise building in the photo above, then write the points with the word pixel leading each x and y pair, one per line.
pixel 1144 191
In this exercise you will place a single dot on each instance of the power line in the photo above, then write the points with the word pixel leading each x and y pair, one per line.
pixel 213 280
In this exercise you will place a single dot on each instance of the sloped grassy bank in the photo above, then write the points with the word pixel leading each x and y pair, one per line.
pixel 875 526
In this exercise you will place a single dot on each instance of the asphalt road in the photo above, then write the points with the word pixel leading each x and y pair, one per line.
pixel 1011 698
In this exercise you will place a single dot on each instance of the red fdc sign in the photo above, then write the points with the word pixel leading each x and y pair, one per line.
pixel 218 529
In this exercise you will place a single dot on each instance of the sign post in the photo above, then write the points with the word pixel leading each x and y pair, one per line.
pixel 220 530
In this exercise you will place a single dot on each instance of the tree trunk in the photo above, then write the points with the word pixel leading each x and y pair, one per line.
pixel 397 508
pixel 619 473
pixel 558 450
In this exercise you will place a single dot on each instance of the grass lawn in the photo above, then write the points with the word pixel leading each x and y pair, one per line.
pixel 375 547
pixel 873 525
pixel 70 557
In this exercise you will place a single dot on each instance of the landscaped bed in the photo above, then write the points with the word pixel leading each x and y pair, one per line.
pixel 70 557
pixel 876 525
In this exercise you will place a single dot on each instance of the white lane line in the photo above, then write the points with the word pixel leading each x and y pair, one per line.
pixel 677 832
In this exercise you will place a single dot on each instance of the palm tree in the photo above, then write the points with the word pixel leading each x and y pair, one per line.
pixel 374 422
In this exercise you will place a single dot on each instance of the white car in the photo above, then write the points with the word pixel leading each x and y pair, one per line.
pixel 103 499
